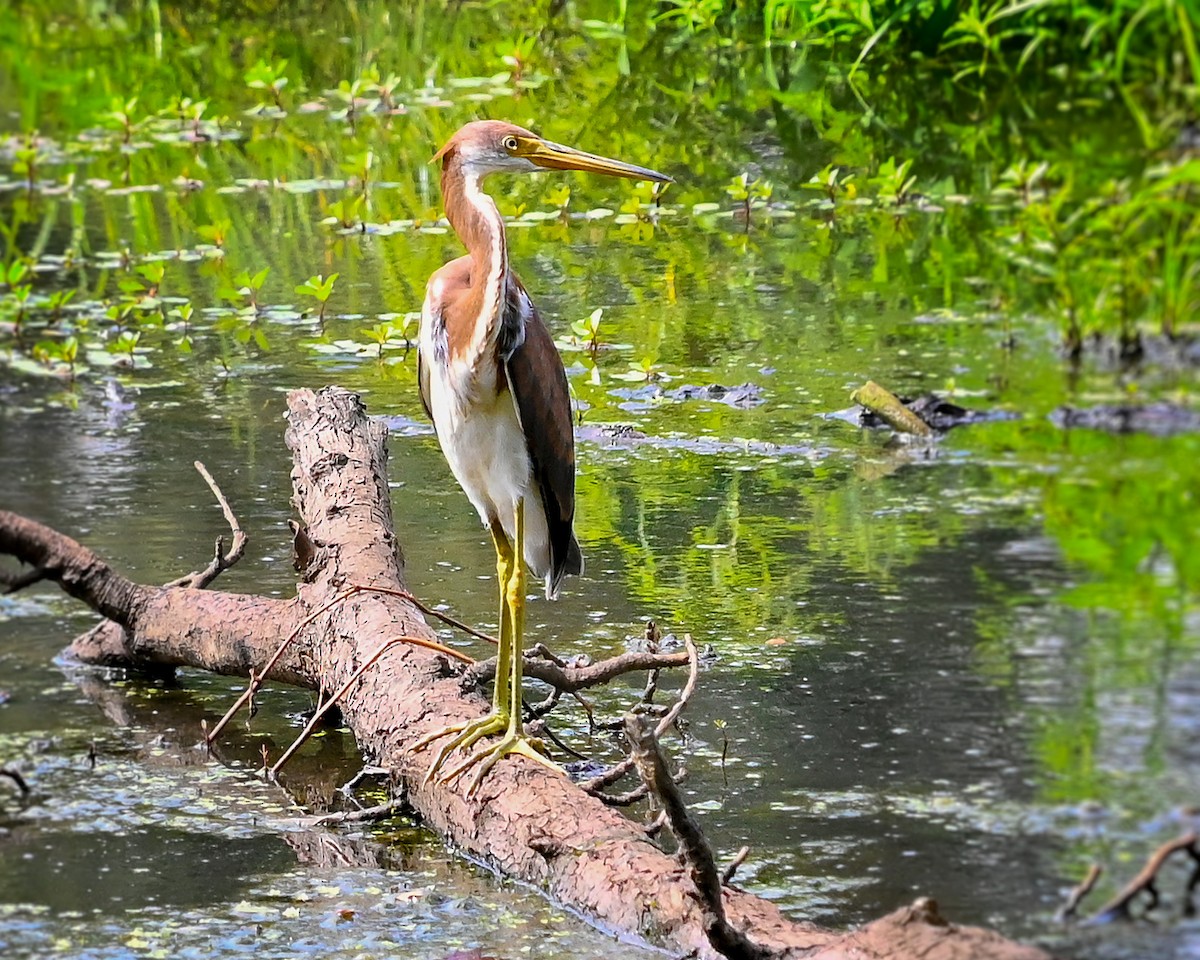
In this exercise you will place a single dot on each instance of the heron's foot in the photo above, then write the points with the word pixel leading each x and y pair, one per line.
pixel 513 742
pixel 465 734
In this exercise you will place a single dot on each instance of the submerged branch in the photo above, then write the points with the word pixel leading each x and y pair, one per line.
pixel 697 854
pixel 1146 881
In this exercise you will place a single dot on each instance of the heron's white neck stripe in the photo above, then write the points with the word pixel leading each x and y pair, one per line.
pixel 489 220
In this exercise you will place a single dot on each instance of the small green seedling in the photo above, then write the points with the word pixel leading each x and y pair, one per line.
pixel 893 181
pixel 832 181
pixel 121 117
pixel 319 288
pixel 245 290
pixel 183 314
pixel 345 213
pixel 268 77
pixel 215 233
pixel 358 166
pixel 588 329
pixel 57 301
pixel 126 344
pixel 58 351
pixel 641 371
pixel 380 334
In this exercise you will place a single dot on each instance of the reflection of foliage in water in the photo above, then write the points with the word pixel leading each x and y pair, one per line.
pixel 1123 514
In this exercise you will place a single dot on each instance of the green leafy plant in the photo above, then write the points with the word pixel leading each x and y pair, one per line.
pixel 245 289
pixel 319 288
pixel 517 53
pixel 65 352
pixel 57 301
pixel 892 181
pixel 588 329
pixel 640 371
pixel 27 161
pixel 120 116
pixel 188 111
pixel 747 191
pixel 183 315
pixel 834 183
pixel 20 294
pixel 559 196
pixel 126 343
pixel 143 289
pixel 269 78
pixel 382 88
pixel 215 233
pixel 358 167
pixel 345 213
pixel 386 332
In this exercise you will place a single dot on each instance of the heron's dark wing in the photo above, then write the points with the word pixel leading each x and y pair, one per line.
pixel 539 387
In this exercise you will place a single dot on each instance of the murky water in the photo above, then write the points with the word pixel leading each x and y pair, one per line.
pixel 965 674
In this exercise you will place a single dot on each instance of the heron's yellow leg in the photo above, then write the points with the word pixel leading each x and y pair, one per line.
pixel 496 721
pixel 507 675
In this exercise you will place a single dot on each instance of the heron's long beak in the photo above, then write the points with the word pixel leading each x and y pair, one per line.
pixel 554 156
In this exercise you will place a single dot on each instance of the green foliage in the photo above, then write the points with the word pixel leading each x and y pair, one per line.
pixel 269 78
pixel 319 288
pixel 588 329
pixel 345 213
pixel 64 352
pixel 387 334
pixel 1120 43
pixel 245 290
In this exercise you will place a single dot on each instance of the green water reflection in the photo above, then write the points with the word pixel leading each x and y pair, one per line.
pixel 964 674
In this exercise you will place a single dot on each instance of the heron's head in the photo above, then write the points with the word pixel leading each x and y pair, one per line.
pixel 495 146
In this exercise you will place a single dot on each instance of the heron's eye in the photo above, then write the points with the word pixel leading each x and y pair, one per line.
pixel 510 143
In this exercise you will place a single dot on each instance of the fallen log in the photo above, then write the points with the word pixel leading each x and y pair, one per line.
pixel 525 820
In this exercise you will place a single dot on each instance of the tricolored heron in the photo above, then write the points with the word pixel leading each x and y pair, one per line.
pixel 494 386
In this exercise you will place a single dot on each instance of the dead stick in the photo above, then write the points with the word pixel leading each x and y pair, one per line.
pixel 697 854
pixel 887 406
pixel 256 680
pixel 13 582
pixel 377 812
pixel 1075 897
pixel 222 560
pixel 429 612
pixel 17 779
pixel 350 591
pixel 738 859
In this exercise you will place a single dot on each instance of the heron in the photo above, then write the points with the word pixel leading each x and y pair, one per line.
pixel 493 383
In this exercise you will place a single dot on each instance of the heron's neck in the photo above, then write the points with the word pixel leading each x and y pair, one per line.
pixel 474 217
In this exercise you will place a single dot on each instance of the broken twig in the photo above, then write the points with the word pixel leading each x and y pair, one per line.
pixel 887 406
pixel 1075 897
pixel 222 559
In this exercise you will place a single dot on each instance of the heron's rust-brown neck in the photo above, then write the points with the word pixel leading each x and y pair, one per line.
pixel 474 217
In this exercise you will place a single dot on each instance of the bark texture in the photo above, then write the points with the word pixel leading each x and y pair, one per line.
pixel 527 821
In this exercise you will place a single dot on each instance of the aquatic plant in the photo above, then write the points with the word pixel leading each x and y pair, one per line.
pixel 320 289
